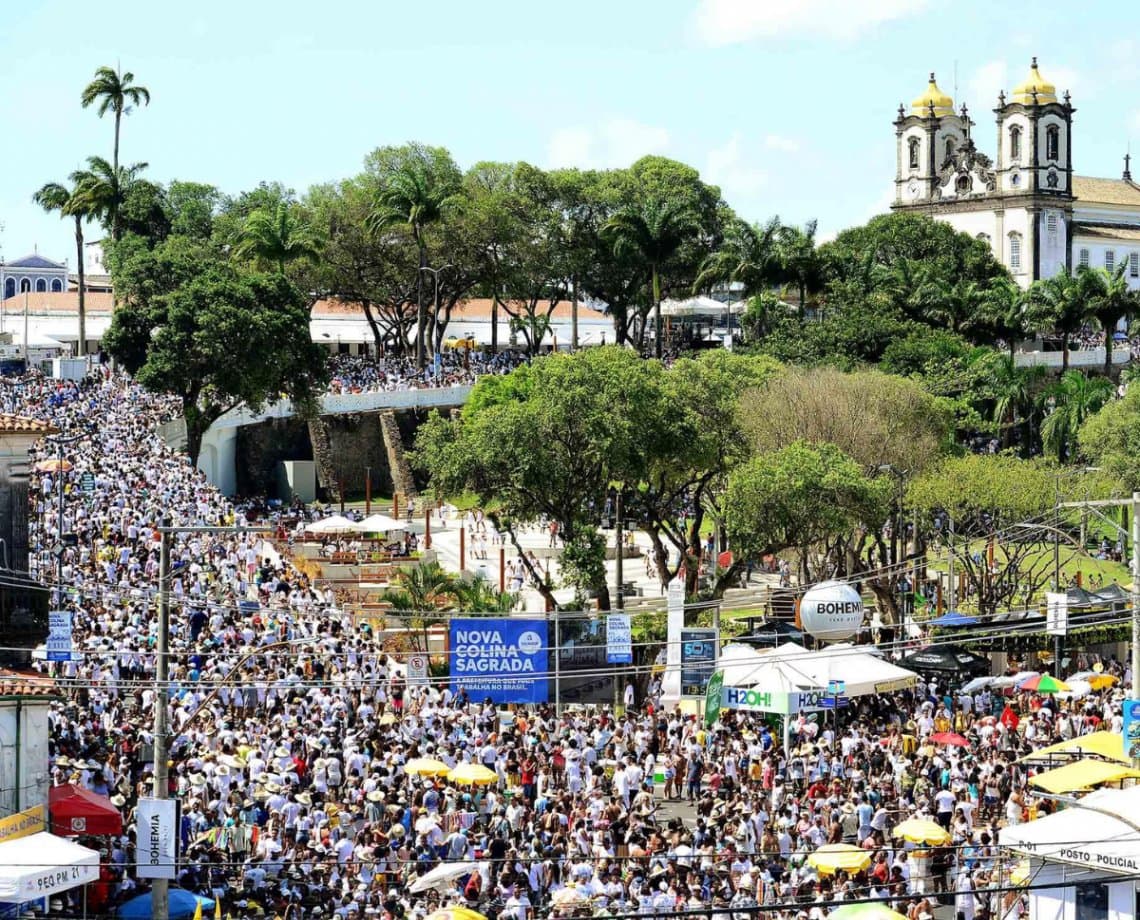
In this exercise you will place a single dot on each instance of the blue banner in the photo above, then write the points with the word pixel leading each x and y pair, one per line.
pixel 1131 728
pixel 505 660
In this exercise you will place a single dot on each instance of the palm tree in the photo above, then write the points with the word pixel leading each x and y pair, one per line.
pixel 103 189
pixel 1057 304
pixel 69 203
pixel 424 591
pixel 800 260
pixel 1014 389
pixel 951 304
pixel 1108 300
pixel 652 233
pixel 480 595
pixel 1075 397
pixel 1004 311
pixel 275 238
pixel 113 90
pixel 749 256
pixel 415 194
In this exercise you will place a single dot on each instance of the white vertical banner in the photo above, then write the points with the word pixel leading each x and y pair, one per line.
pixel 157 842
pixel 675 600
pixel 417 670
pixel 1056 614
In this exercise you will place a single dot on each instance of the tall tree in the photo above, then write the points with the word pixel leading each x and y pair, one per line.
pixel 652 232
pixel 70 203
pixel 416 183
pixel 276 238
pixel 114 91
pixel 104 189
pixel 748 256
pixel 1075 397
pixel 1058 305
pixel 800 260
pixel 1108 300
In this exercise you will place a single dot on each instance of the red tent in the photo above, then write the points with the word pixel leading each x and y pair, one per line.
pixel 75 811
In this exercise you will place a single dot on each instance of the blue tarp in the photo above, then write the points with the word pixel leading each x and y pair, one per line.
pixel 183 903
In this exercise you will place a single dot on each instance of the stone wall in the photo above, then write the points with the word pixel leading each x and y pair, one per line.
pixel 355 445
pixel 261 447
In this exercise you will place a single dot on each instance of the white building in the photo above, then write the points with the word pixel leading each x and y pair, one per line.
pixel 1037 216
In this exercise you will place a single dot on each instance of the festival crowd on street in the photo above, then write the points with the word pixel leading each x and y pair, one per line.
pixel 302 758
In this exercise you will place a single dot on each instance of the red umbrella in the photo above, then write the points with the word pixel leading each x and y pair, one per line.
pixel 76 810
pixel 950 738
pixel 724 560
pixel 1009 719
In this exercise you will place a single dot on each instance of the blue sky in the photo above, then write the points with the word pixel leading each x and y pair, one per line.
pixel 786 105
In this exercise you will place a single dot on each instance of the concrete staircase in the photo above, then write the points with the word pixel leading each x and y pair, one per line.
pixel 322 454
pixel 403 482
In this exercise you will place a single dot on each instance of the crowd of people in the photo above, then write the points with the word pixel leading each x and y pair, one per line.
pixel 293 732
pixel 368 374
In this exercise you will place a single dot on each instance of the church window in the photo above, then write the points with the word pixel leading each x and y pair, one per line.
pixel 1052 142
pixel 1109 260
pixel 1015 252
pixel 963 184
pixel 25 285
pixel 9 287
pixel 1015 143
pixel 1051 222
pixel 1083 258
pixel 1134 264
pixel 949 147
pixel 56 286
pixel 41 286
pixel 912 147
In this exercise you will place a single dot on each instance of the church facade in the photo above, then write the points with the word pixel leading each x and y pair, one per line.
pixel 1026 203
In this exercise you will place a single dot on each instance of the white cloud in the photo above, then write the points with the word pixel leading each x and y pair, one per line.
pixel 727 22
pixel 985 84
pixel 614 143
pixel 734 171
pixel 783 144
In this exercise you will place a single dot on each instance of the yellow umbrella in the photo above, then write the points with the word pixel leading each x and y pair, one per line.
pixel 472 774
pixel 426 766
pixel 833 857
pixel 922 830
pixel 1019 875
pixel 54 465
pixel 455 913
pixel 1100 681
pixel 389 718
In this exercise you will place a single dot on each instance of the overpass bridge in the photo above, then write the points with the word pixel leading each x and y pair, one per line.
pixel 218 457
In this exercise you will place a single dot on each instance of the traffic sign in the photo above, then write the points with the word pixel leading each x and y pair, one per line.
pixel 59 635
pixel 87 482
pixel 417 670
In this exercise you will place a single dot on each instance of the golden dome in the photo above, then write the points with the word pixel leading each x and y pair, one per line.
pixel 943 104
pixel 1035 84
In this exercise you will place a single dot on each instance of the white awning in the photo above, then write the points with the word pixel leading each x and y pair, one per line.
pixel 41 865
pixel 1098 833
pixel 380 523
pixel 693 306
pixel 333 525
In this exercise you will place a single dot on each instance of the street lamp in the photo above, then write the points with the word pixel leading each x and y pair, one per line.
pixel 421 358
pixel 59 443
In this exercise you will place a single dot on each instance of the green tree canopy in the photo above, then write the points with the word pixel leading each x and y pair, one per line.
pixel 1110 438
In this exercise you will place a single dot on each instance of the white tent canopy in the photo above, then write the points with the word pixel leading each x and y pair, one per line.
pixel 333 525
pixel 1097 833
pixel 380 523
pixel 693 306
pixel 42 865
pixel 792 667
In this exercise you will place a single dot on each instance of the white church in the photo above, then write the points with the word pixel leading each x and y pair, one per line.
pixel 1036 215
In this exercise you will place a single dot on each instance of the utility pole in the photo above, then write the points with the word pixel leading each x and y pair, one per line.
pixel 1135 600
pixel 160 892
pixel 953 588
pixel 618 535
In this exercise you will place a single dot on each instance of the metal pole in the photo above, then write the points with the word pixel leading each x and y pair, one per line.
pixel 27 352
pixel 953 588
pixel 367 491
pixel 557 666
pixel 59 546
pixel 1056 534
pixel 574 312
pixel 160 891
pixel 618 541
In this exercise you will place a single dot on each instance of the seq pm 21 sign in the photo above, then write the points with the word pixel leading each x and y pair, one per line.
pixel 504 660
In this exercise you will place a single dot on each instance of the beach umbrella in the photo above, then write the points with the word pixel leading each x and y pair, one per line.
pixel 183 905
pixel 455 913
pixel 1043 683
pixel 426 766
pixel 951 739
pixel 442 875
pixel 333 525
pixel 869 910
pixel 923 831
pixel 568 896
pixel 472 774
pixel 834 857
pixel 54 465
pixel 954 618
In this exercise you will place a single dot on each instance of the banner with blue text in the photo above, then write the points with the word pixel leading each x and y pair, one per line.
pixel 504 660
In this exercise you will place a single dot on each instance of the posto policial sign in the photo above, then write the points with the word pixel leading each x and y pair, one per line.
pixel 831 611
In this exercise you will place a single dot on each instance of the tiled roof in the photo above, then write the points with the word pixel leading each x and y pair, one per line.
pixel 35 260
pixel 1091 190
pixel 1107 232
pixel 61 302
pixel 20 424
pixel 26 683
pixel 474 310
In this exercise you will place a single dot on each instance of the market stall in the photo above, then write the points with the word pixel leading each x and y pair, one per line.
pixel 75 811
pixel 42 865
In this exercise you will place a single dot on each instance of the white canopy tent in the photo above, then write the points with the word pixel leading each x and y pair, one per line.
pixel 333 525
pixel 693 306
pixel 43 865
pixel 380 523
